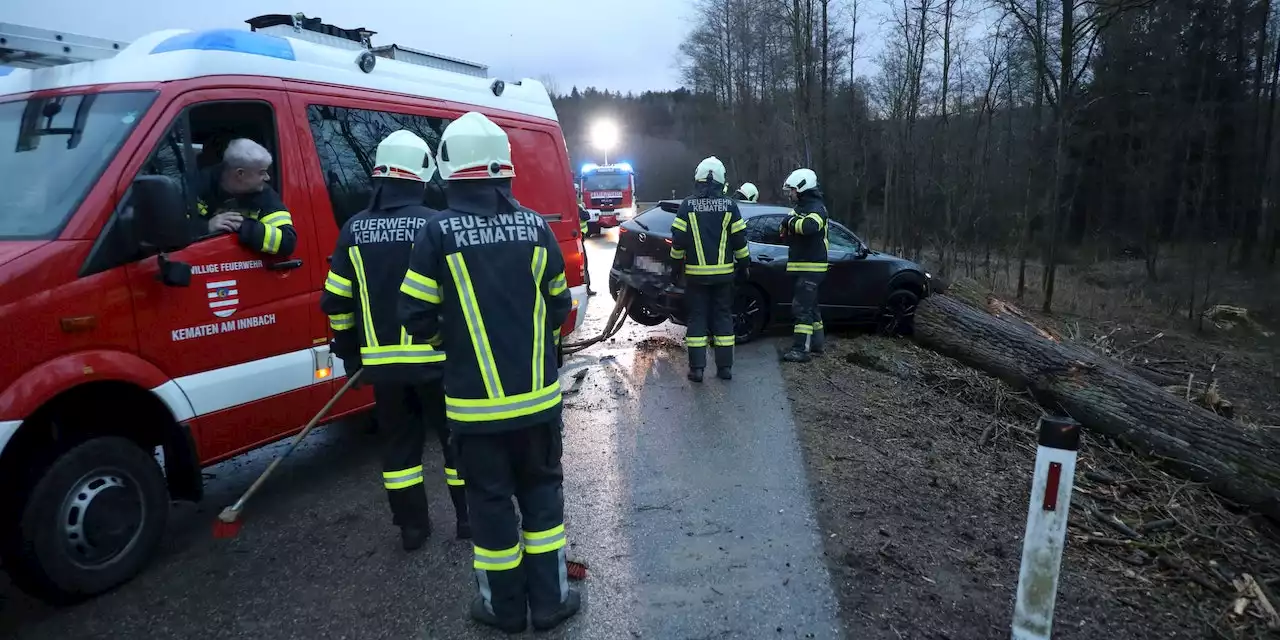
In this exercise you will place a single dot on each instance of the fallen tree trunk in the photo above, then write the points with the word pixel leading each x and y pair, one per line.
pixel 1105 397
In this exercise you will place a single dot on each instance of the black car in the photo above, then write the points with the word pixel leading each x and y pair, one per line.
pixel 862 287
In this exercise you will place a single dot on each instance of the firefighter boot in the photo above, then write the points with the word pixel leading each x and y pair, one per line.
pixel 567 609
pixel 409 511
pixel 795 355
pixel 724 373
pixel 818 341
pixel 459 496
pixel 502 603
pixel 551 601
pixel 695 375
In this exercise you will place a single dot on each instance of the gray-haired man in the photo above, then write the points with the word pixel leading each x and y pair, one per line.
pixel 235 198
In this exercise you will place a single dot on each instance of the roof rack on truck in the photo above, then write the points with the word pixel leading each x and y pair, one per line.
pixel 300 27
pixel 34 48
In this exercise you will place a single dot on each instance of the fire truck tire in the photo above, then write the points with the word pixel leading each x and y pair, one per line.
pixel 91 522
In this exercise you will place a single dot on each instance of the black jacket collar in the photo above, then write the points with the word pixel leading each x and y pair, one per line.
pixel 481 197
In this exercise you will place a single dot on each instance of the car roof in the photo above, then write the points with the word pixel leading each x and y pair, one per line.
pixel 748 209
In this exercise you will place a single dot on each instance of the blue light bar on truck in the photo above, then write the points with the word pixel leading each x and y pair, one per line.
pixel 625 166
pixel 233 40
pixel 589 167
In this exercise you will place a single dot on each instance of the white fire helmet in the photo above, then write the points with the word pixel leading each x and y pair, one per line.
pixel 474 148
pixel 801 180
pixel 404 155
pixel 710 168
pixel 749 192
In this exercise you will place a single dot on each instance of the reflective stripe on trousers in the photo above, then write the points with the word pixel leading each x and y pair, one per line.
pixel 402 479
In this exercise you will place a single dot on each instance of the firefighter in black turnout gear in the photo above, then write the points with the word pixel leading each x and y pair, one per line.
pixel 488 274
pixel 361 297
pixel 708 237
pixel 806 233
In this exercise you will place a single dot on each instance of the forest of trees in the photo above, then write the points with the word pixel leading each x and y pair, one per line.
pixel 1037 130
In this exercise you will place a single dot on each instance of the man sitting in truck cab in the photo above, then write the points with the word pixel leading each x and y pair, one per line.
pixel 235 198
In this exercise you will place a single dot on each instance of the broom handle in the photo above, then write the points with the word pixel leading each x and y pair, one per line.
pixel 253 488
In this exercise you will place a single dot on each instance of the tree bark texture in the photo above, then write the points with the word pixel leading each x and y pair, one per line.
pixel 1105 397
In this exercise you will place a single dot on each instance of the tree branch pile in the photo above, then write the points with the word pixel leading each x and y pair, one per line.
pixel 989 334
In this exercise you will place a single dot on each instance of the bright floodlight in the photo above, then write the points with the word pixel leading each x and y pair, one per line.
pixel 604 135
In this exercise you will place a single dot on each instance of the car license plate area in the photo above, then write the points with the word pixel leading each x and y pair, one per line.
pixel 651 265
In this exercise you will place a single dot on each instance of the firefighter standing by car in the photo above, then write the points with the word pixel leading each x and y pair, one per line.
pixel 361 297
pixel 806 232
pixel 708 239
pixel 488 273
pixel 747 193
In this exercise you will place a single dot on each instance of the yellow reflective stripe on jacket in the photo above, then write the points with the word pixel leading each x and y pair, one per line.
pixel 403 478
pixel 805 329
pixel 357 261
pixel 421 287
pixel 552 539
pixel 677 254
pixel 487 409
pixel 697 240
pixel 740 225
pixel 277 219
pixel 337 285
pixel 724 237
pixel 452 478
pixel 401 354
pixel 742 253
pixel 538 265
pixel 709 269
pixel 475 325
pixel 497 559
pixel 342 321
pixel 807 267
pixel 271 239
pixel 558 285
pixel 582 226
pixel 679 224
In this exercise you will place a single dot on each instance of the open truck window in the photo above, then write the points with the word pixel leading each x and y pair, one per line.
pixel 53 150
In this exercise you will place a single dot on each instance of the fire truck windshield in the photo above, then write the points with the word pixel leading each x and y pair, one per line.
pixel 607 181
pixel 52 151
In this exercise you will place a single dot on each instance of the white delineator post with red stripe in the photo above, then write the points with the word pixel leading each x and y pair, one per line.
pixel 1042 545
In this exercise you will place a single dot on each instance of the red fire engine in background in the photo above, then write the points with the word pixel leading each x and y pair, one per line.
pixel 608 194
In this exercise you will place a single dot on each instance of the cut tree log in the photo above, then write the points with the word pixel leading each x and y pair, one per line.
pixel 991 335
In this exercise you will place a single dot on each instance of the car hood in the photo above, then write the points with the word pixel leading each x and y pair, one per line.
pixel 11 250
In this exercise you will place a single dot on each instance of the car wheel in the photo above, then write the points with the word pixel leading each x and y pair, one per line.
pixel 640 311
pixel 748 313
pixel 91 522
pixel 897 314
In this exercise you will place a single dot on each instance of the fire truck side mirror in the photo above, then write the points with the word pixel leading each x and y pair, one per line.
pixel 159 213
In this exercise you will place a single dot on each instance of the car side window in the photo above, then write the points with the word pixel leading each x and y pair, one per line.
pixel 347 140
pixel 764 229
pixel 842 239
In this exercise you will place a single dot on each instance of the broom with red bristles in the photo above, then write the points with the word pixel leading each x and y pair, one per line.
pixel 228 523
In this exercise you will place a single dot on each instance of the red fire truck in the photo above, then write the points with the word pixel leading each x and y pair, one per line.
pixel 117 355
pixel 608 194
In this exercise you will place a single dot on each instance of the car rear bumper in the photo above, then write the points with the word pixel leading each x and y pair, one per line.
pixel 658 293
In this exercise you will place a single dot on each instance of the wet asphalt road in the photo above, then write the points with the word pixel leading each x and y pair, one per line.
pixel 693 528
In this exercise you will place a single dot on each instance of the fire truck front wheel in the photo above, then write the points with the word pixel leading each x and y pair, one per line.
pixel 91 522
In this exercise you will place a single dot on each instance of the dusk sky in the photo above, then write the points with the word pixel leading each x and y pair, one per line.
pixel 619 46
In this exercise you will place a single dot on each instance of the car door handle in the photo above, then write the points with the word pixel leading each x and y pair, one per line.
pixel 286 265
pixel 764 258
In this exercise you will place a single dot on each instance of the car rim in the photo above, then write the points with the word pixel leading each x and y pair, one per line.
pixel 898 310
pixel 744 319
pixel 101 518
